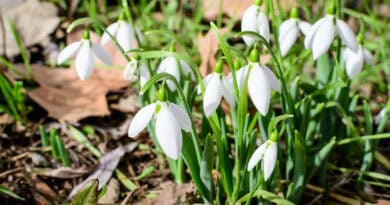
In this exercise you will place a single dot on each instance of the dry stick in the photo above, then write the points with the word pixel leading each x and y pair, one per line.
pixel 338 197
pixel 11 171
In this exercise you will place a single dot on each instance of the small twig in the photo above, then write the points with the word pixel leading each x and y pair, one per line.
pixel 338 197
pixel 11 171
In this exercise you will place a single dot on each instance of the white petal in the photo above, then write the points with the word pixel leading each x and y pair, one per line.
pixel 206 80
pixel 346 34
pixel 112 29
pixel 311 33
pixel 141 119
pixel 168 133
pixel 259 89
pixel 227 92
pixel 84 60
pixel 323 38
pixel 304 27
pixel 249 23
pixel 125 35
pixel 186 69
pixel 286 26
pixel 169 65
pixel 68 52
pixel 101 53
pixel 181 116
pixel 288 40
pixel 212 95
pixel 256 156
pixel 274 82
pixel 144 74
pixel 345 55
pixel 354 63
pixel 263 25
pixel 241 75
pixel 380 115
pixel 368 57
pixel 130 71
pixel 270 157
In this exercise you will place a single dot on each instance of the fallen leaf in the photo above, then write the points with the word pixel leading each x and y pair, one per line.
pixel 170 193
pixel 6 119
pixel 34 21
pixel 66 97
pixel 235 8
pixel 108 164
pixel 129 104
pixel 112 193
pixel 62 172
pixel 208 46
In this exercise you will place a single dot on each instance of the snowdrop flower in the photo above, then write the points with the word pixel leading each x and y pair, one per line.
pixel 261 81
pixel 380 116
pixel 123 32
pixel 255 20
pixel 268 153
pixel 170 120
pixel 321 34
pixel 289 30
pixel 135 68
pixel 171 65
pixel 354 60
pixel 216 87
pixel 84 58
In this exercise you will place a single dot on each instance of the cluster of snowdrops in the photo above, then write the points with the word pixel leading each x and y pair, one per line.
pixel 167 113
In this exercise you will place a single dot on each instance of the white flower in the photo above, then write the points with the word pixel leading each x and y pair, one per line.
pixel 170 65
pixel 84 58
pixel 255 20
pixel 380 116
pixel 321 35
pixel 260 82
pixel 170 120
pixel 268 153
pixel 288 33
pixel 354 60
pixel 123 32
pixel 216 87
pixel 135 68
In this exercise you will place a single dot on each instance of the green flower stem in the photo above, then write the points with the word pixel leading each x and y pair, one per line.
pixel 367 137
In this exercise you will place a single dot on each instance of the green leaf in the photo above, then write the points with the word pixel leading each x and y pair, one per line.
pixel 269 196
pixel 146 172
pixel 80 137
pixel 156 78
pixel 324 69
pixel 10 193
pixel 54 146
pixel 297 186
pixel 316 162
pixel 125 181
pixel 206 167
pixel 44 138
pixel 88 195
pixel 327 87
pixel 62 152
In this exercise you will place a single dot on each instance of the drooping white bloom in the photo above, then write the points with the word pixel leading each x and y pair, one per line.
pixel 321 34
pixel 380 116
pixel 260 83
pixel 170 120
pixel 137 68
pixel 170 65
pixel 354 60
pixel 255 20
pixel 288 33
pixel 268 153
pixel 216 87
pixel 124 34
pixel 85 50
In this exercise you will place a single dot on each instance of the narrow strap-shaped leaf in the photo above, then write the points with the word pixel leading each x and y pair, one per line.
pixel 87 196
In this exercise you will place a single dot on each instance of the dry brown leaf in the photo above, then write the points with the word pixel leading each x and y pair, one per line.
pixel 108 164
pixel 383 202
pixel 208 46
pixel 67 98
pixel 62 172
pixel 234 8
pixel 34 21
pixel 6 119
pixel 170 193
pixel 129 104
pixel 112 194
